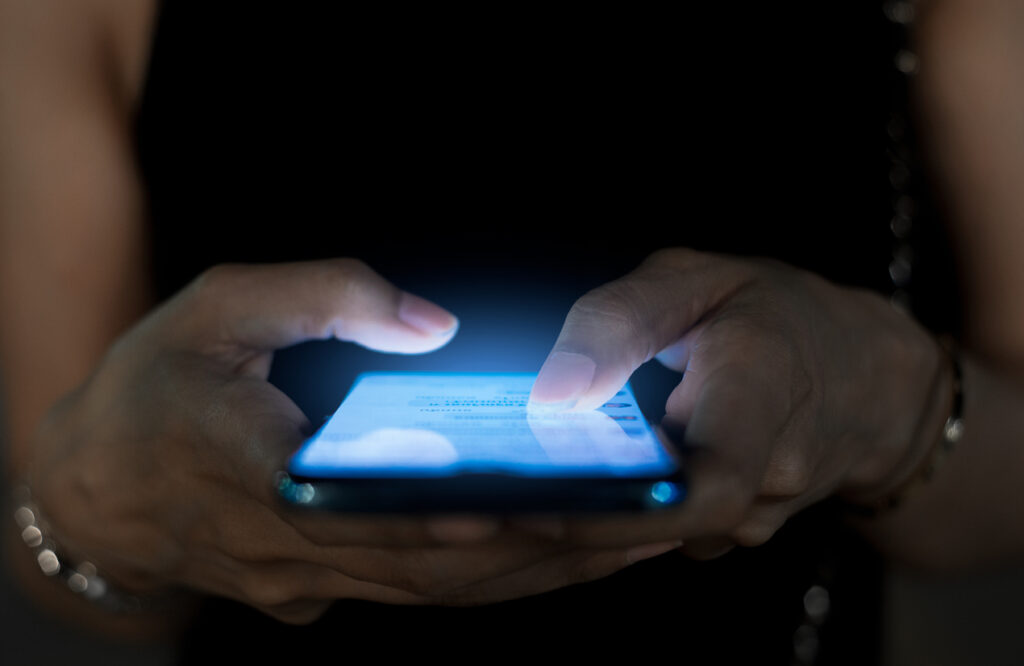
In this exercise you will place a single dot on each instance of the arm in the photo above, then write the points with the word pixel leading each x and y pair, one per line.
pixel 970 102
pixel 860 379
pixel 794 390
pixel 72 245
pixel 970 99
pixel 178 409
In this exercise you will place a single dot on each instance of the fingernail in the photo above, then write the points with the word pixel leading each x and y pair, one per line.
pixel 563 378
pixel 425 316
pixel 646 552
pixel 462 530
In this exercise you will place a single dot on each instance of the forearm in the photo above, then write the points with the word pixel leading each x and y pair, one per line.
pixel 73 246
pixel 969 103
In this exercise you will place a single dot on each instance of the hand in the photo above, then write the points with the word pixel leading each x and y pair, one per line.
pixel 794 389
pixel 160 468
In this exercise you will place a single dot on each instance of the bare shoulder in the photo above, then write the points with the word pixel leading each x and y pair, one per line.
pixel 97 44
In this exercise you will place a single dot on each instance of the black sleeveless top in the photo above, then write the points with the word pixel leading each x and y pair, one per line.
pixel 502 161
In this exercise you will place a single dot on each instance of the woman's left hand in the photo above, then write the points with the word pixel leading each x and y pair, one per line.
pixel 794 389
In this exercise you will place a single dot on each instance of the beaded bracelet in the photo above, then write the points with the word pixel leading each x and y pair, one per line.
pixel 952 433
pixel 82 578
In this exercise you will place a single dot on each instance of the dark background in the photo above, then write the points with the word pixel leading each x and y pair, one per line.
pixel 751 128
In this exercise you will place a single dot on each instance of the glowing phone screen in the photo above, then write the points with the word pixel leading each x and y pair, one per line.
pixel 437 424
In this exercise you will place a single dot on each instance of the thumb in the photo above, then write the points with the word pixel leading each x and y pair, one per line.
pixel 613 329
pixel 265 307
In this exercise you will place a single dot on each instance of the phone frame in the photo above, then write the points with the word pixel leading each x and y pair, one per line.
pixel 491 493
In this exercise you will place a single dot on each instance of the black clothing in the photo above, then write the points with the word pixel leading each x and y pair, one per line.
pixel 501 162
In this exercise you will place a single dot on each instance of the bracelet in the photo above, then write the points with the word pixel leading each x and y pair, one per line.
pixel 952 433
pixel 82 578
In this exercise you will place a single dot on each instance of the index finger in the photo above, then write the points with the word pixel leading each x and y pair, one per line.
pixel 612 330
pixel 725 451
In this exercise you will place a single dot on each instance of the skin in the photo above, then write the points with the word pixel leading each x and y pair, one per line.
pixel 969 99
pixel 181 402
pixel 85 356
pixel 795 390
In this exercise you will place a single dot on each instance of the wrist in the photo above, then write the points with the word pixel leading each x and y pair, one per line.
pixel 936 430
pixel 72 591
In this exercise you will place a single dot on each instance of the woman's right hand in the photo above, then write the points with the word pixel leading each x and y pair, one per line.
pixel 160 467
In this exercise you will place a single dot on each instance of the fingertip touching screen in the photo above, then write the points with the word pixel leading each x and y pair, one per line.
pixel 438 424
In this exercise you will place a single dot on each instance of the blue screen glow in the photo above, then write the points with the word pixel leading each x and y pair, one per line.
pixel 433 424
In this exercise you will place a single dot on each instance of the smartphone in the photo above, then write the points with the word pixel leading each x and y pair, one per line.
pixel 465 442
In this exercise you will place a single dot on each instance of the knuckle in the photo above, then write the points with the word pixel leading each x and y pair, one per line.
pixel 741 342
pixel 593 568
pixel 753 533
pixel 299 614
pixel 321 322
pixel 472 595
pixel 728 512
pixel 430 583
pixel 708 548
pixel 578 574
pixel 214 280
pixel 268 591
pixel 350 281
pixel 672 256
pixel 789 476
pixel 415 584
pixel 346 272
pixel 606 303
pixel 344 279
pixel 408 575
pixel 616 308
pixel 684 260
pixel 425 586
